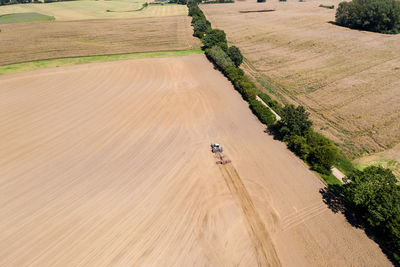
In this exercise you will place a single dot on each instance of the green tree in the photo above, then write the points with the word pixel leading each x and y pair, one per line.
pixel 194 10
pixel 298 144
pixel 220 58
pixel 294 121
pixel 234 74
pixel 200 27
pixel 215 37
pixel 322 157
pixel 235 54
pixel 262 112
pixel 375 193
pixel 371 15
pixel 250 94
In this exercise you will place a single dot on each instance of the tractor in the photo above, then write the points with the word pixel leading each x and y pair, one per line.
pixel 217 149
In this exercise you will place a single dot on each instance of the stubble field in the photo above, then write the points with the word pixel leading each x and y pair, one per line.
pixel 45 40
pixel 347 79
pixel 96 9
pixel 109 164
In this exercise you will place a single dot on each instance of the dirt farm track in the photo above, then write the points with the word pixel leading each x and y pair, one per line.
pixel 109 164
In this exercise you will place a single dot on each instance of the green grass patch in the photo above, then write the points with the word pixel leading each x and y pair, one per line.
pixel 344 164
pixel 59 62
pixel 24 17
pixel 330 180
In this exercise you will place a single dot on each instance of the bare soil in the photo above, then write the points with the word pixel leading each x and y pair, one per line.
pixel 45 40
pixel 109 164
pixel 347 79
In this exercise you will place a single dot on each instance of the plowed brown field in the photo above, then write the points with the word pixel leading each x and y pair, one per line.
pixel 109 164
pixel 347 79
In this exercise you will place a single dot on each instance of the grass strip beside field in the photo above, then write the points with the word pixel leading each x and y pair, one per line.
pixel 59 62
pixel 24 17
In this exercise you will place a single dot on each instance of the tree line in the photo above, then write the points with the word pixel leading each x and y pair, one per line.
pixel 372 193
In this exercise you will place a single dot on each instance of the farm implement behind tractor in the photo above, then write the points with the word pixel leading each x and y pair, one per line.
pixel 217 150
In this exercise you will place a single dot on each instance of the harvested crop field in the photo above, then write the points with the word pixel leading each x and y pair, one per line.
pixel 109 164
pixel 97 9
pixel 347 79
pixel 45 40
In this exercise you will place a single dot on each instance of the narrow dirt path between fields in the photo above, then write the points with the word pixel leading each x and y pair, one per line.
pixel 278 118
pixel 266 253
pixel 338 174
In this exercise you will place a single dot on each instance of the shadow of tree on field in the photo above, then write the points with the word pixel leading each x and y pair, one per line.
pixel 336 205
pixel 332 197
pixel 273 130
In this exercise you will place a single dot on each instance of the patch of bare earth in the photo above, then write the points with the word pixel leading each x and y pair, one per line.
pixel 22 42
pixel 109 164
pixel 347 79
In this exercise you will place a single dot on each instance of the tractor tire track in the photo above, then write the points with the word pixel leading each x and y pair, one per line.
pixel 264 247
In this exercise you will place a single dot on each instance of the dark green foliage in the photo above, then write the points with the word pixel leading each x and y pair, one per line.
pixel 215 37
pixel 180 2
pixel 245 85
pixel 318 151
pixel 235 55
pixel 322 156
pixel 261 1
pixel 194 10
pixel 375 195
pixel 294 121
pixel 200 27
pixel 234 74
pixel 199 22
pixel 371 15
pixel 263 113
pixel 298 144
pixel 250 94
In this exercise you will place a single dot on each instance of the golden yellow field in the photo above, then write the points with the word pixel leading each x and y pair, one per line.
pixel 45 40
pixel 96 9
